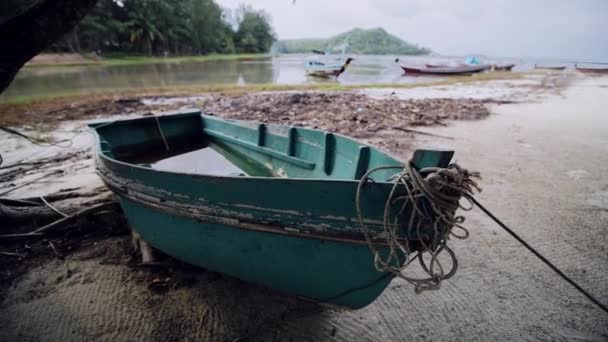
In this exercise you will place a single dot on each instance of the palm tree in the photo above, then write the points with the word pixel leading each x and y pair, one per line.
pixel 141 28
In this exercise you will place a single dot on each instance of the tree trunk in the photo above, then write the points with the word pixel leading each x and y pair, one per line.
pixel 149 44
pixel 76 39
pixel 166 43
pixel 27 34
pixel 70 42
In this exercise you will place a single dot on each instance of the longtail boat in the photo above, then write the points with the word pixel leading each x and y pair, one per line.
pixel 269 204
pixel 444 70
pixel 546 67
pixel 594 70
pixel 321 69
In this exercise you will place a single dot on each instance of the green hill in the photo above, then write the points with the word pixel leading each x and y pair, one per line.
pixel 357 41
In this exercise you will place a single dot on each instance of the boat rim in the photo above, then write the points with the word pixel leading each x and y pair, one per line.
pixel 99 154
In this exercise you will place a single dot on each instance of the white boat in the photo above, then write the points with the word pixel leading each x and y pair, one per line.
pixel 322 69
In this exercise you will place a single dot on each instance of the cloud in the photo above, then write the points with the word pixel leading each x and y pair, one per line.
pixel 527 28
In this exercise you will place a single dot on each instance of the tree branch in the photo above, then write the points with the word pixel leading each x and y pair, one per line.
pixel 27 34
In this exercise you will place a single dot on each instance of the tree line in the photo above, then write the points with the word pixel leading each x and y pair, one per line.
pixel 168 27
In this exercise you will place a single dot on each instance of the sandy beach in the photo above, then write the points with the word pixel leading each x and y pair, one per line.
pixel 540 143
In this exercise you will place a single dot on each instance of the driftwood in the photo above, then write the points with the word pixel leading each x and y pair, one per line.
pixel 11 254
pixel 110 206
pixel 41 167
pixel 37 211
pixel 52 173
pixel 51 227
pixel 13 171
pixel 18 202
pixel 52 207
pixel 40 161
pixel 409 130
pixel 53 210
pixel 68 194
pixel 21 214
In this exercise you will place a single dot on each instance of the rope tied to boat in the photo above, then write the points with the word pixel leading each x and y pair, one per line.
pixel 160 131
pixel 429 199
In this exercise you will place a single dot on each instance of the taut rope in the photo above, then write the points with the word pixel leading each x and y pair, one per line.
pixel 431 196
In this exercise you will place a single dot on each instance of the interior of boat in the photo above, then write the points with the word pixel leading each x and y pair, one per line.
pixel 190 142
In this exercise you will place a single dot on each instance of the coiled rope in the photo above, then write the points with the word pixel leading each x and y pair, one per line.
pixel 431 197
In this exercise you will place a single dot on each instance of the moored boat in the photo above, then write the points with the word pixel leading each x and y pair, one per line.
pixel 594 70
pixel 293 209
pixel 321 69
pixel 441 70
pixel 548 67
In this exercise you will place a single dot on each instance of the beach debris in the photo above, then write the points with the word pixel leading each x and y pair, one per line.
pixel 12 254
pixel 159 285
pixel 415 131
pixel 347 113
pixel 53 213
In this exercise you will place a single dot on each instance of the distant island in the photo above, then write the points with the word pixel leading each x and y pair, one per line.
pixel 357 41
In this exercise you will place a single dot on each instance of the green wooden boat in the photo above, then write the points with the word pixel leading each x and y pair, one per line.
pixel 272 205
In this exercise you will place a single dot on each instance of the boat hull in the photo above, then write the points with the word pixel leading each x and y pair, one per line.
pixel 445 71
pixel 293 236
pixel 320 69
pixel 323 73
pixel 335 272
pixel 324 70
pixel 558 68
pixel 592 70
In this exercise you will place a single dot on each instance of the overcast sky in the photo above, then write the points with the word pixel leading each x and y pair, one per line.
pixel 562 29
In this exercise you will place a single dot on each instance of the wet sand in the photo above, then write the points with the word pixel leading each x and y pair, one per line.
pixel 545 169
pixel 544 166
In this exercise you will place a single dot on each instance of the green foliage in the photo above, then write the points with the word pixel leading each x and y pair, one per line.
pixel 357 41
pixel 254 34
pixel 167 27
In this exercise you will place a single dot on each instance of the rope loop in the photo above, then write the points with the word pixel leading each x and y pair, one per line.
pixel 419 217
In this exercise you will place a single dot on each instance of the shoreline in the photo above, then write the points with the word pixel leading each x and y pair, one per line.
pixel 49 60
pixel 192 90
